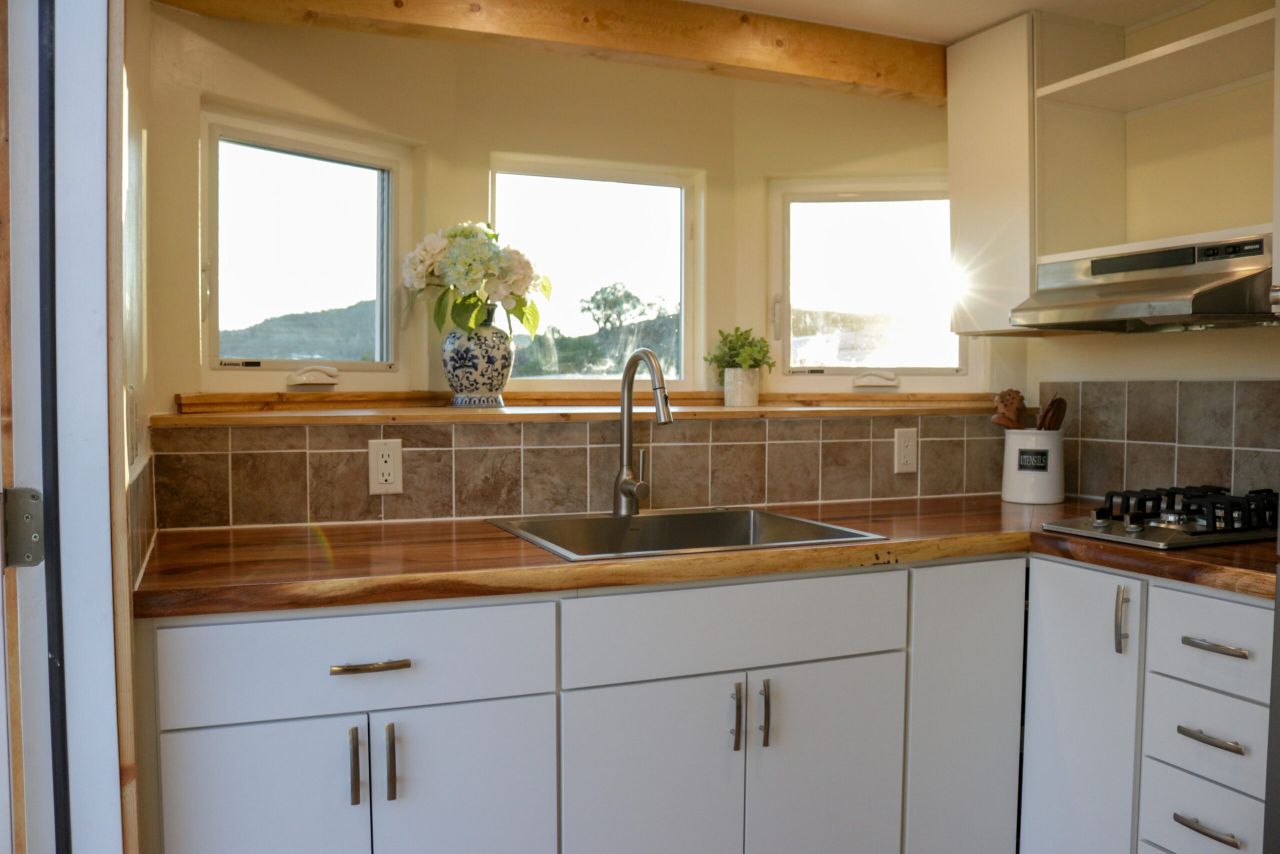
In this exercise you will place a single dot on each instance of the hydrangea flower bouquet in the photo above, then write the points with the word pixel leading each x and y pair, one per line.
pixel 468 275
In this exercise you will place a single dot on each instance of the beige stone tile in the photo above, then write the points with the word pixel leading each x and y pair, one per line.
pixel 846 470
pixel 607 432
pixel 1101 465
pixel 486 435
pixel 1256 470
pixel 983 465
pixel 1204 467
pixel 1205 413
pixel 737 474
pixel 268 488
pixel 192 490
pixel 342 437
pixel 1148 466
pixel 428 486
pixel 844 429
pixel 1258 414
pixel 794 429
pixel 486 482
pixel 1102 407
pixel 794 470
pixel 942 427
pixel 942 467
pixel 882 426
pixel 981 427
pixel 1070 466
pixel 603 471
pixel 680 475
pixel 738 430
pixel 555 479
pixel 268 438
pixel 1070 392
pixel 682 431
pixel 1152 411
pixel 339 490
pixel 538 434
pixel 884 483
pixel 189 439
pixel 420 435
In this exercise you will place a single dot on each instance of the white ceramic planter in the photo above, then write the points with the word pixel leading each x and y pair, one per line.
pixel 741 386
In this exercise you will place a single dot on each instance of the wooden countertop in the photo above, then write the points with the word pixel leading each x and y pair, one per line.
pixel 305 566
pixel 508 414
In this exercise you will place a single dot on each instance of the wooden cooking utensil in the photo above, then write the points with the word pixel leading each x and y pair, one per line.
pixel 1055 414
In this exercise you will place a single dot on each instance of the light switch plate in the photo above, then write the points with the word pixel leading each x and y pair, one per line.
pixel 905 450
pixel 386 467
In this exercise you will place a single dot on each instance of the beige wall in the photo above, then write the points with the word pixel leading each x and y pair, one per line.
pixel 455 103
pixel 139 378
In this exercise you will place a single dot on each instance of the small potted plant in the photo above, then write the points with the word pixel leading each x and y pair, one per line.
pixel 738 359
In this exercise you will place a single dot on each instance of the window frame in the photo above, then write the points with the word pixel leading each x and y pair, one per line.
pixel 784 192
pixel 692 182
pixel 323 144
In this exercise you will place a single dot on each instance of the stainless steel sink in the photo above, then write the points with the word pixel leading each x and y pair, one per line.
pixel 592 537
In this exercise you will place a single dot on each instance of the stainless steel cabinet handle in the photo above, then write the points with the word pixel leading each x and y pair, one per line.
pixel 1213 741
pixel 768 713
pixel 353 743
pixel 1219 648
pixel 370 667
pixel 1122 599
pixel 737 716
pixel 391 762
pixel 1227 839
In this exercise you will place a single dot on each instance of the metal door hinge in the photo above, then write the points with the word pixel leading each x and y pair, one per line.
pixel 23 526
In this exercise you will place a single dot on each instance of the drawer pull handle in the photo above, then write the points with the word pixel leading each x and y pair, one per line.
pixel 1219 648
pixel 768 713
pixel 353 744
pixel 1213 741
pixel 391 762
pixel 1122 598
pixel 736 732
pixel 1228 839
pixel 371 667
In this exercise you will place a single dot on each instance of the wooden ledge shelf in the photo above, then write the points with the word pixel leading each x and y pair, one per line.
pixel 1232 53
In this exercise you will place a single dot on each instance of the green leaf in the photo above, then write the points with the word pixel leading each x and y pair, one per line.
pixel 529 318
pixel 543 286
pixel 440 311
pixel 467 313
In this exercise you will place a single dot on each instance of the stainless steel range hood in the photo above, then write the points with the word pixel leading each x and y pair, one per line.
pixel 1223 281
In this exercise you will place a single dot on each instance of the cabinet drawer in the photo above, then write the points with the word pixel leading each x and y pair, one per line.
pixel 632 637
pixel 1223 645
pixel 1206 715
pixel 1167 791
pixel 280 669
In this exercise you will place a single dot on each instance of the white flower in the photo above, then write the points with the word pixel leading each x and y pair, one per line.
pixel 509 303
pixel 516 274
pixel 419 269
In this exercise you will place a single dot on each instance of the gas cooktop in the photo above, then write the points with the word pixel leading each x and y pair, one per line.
pixel 1178 517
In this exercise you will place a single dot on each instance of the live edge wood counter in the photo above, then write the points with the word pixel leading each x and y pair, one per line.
pixel 306 566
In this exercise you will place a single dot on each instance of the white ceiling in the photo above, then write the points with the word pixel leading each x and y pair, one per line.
pixel 946 21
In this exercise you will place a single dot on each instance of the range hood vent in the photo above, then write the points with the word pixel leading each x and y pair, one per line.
pixel 1183 285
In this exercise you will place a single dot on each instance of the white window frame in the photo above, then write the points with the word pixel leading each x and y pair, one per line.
pixel 692 182
pixel 339 146
pixel 782 193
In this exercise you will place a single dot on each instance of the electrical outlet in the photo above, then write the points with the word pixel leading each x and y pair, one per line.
pixel 905 450
pixel 386 468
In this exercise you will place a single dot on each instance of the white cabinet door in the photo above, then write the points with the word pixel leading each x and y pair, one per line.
pixel 989 143
pixel 474 777
pixel 830 778
pixel 284 787
pixel 1080 740
pixel 653 767
pixel 965 712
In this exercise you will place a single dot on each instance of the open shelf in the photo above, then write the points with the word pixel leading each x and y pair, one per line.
pixel 1231 53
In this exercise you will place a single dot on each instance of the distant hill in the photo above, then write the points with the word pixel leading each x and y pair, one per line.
pixel 337 334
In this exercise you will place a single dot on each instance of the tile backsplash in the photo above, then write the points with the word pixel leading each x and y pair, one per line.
pixel 1147 434
pixel 231 476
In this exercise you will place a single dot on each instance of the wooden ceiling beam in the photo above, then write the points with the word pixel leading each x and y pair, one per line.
pixel 663 32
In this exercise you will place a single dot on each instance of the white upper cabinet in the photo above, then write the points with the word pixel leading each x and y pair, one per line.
pixel 990 90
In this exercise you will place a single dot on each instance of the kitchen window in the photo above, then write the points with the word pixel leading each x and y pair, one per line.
pixel 867 279
pixel 298 245
pixel 617 244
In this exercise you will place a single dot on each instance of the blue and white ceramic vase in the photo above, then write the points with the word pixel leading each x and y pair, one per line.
pixel 478 364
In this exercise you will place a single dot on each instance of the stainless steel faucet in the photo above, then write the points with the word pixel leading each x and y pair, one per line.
pixel 628 491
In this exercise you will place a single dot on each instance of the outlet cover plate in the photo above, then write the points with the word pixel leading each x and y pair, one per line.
pixel 386 467
pixel 906 448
